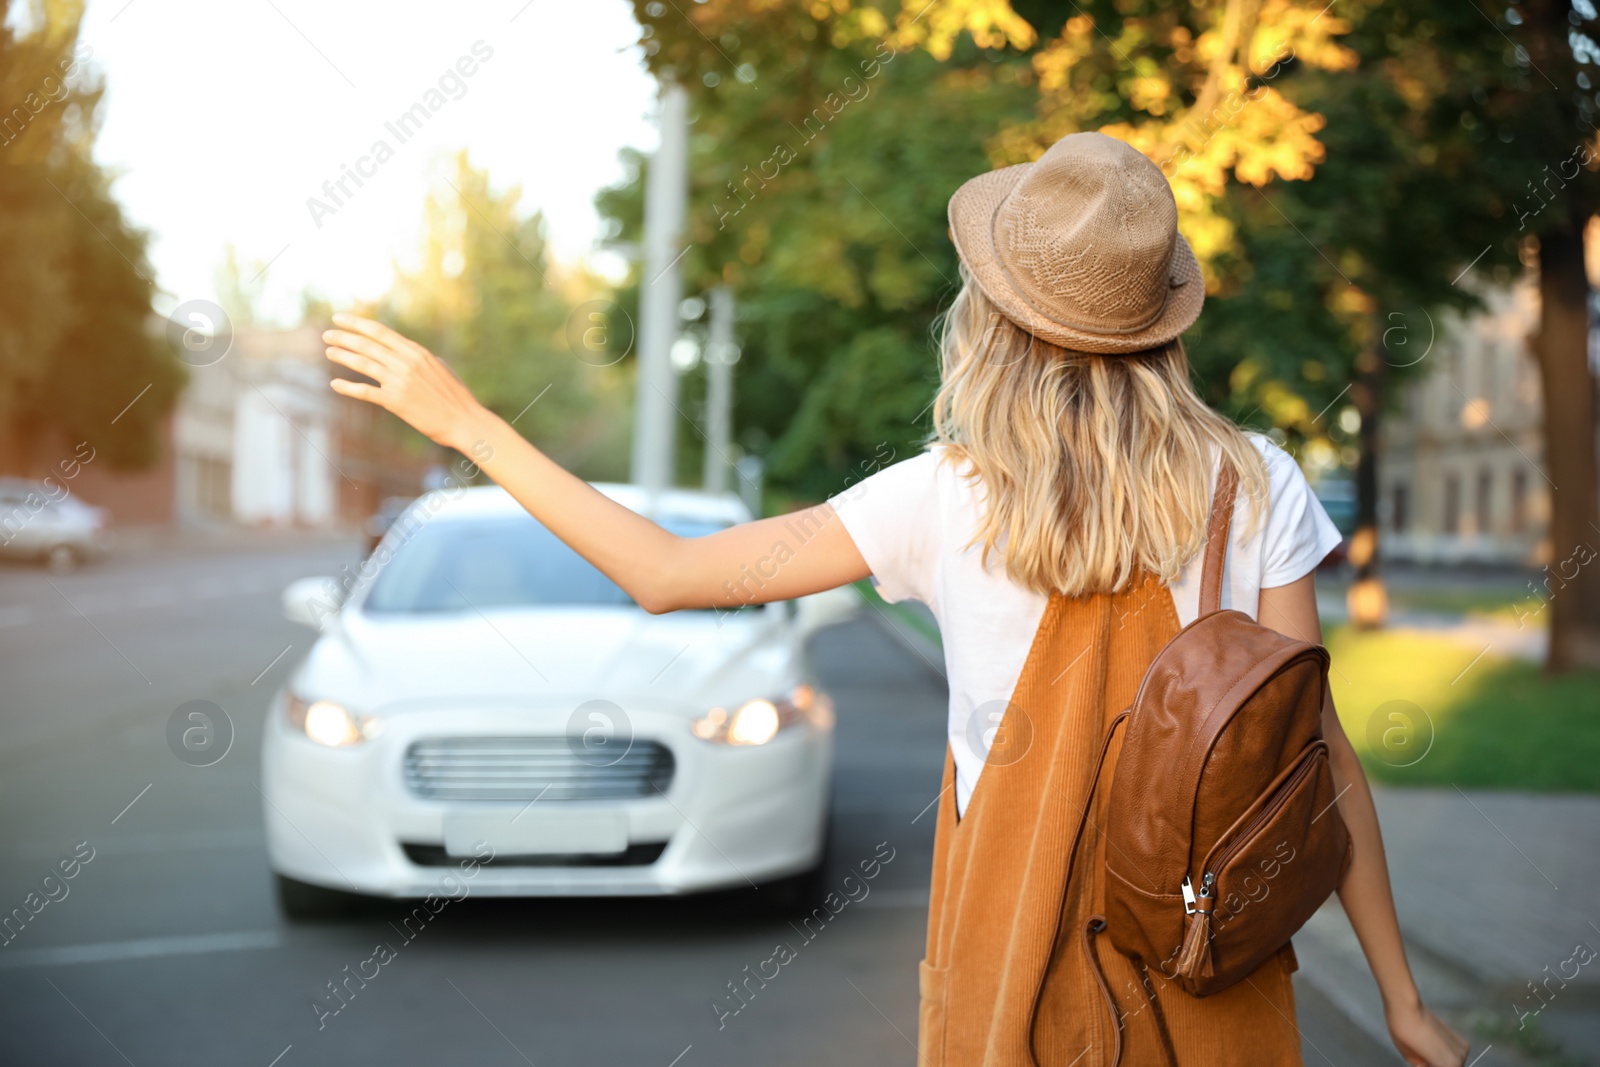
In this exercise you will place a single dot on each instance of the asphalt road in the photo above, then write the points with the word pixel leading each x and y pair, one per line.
pixel 167 948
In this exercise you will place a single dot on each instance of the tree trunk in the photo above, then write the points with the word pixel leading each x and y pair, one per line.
pixel 1367 600
pixel 1562 347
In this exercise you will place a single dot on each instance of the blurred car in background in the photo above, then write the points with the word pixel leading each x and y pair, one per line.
pixel 487 696
pixel 43 522
pixel 379 521
pixel 1338 497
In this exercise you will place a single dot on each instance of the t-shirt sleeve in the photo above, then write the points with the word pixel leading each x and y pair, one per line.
pixel 892 516
pixel 1298 532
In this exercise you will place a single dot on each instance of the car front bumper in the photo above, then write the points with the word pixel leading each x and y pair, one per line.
pixel 732 816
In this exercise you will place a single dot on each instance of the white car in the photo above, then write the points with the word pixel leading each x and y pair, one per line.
pixel 481 699
pixel 43 521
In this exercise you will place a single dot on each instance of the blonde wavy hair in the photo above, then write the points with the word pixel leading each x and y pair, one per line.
pixel 1093 468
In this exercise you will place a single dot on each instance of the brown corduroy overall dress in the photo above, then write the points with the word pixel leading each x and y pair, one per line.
pixel 1008 981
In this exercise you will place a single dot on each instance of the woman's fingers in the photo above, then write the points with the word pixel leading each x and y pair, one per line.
pixel 358 390
pixel 356 342
pixel 378 332
pixel 357 361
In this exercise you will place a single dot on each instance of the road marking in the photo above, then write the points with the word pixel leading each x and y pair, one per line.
pixel 286 1048
pixel 143 948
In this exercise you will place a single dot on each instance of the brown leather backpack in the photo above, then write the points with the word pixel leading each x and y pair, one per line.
pixel 1222 834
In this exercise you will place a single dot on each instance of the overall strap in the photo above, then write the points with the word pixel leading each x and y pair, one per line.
pixel 1216 549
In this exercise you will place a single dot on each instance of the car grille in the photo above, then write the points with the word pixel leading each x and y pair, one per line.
pixel 533 768
pixel 639 855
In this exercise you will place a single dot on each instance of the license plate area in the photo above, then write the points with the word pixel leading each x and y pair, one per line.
pixel 530 831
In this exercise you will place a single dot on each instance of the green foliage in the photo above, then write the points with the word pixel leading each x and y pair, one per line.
pixel 1384 146
pixel 485 299
pixel 818 182
pixel 75 287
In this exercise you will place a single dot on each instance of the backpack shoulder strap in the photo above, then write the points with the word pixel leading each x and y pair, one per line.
pixel 1217 539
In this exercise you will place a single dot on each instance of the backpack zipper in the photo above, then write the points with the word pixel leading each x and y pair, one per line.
pixel 1308 763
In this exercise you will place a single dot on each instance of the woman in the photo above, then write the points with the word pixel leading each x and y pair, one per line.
pixel 1065 500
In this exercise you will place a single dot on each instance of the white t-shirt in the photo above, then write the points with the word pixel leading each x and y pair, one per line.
pixel 911 522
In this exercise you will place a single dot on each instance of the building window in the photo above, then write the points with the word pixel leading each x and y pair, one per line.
pixel 1400 513
pixel 1485 496
pixel 1519 501
pixel 1452 504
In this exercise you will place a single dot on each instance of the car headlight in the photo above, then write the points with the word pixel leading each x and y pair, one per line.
pixel 757 721
pixel 330 724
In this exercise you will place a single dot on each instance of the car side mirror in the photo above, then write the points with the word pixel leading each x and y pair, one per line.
pixel 826 608
pixel 312 601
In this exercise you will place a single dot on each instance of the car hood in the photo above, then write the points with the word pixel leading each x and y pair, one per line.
pixel 392 663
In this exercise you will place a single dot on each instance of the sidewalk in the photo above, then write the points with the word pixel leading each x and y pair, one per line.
pixel 1494 891
pixel 1506 638
pixel 1498 895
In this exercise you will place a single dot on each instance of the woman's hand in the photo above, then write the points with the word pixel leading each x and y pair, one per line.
pixel 412 382
pixel 1424 1040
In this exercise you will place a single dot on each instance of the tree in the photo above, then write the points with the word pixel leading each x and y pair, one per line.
pixel 485 296
pixel 819 170
pixel 1503 171
pixel 955 88
pixel 77 358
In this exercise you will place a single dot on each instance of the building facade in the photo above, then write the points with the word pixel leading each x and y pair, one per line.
pixel 1462 476
pixel 259 439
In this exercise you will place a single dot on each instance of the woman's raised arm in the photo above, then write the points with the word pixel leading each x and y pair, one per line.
pixel 753 563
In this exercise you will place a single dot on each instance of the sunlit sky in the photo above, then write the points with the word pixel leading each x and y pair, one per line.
pixel 224 118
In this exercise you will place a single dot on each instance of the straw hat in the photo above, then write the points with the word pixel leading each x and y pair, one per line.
pixel 1081 248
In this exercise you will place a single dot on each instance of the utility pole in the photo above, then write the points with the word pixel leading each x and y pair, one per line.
pixel 721 354
pixel 666 192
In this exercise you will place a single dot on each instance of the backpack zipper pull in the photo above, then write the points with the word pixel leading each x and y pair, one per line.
pixel 1188 896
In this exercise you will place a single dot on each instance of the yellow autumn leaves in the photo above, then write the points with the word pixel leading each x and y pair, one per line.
pixel 1190 86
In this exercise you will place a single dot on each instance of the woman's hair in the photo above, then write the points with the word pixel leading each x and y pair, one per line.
pixel 1093 468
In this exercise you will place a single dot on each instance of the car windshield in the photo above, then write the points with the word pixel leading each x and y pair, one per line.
pixel 510 562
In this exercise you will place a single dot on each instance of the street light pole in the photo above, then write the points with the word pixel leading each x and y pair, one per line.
pixel 665 195
pixel 721 352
